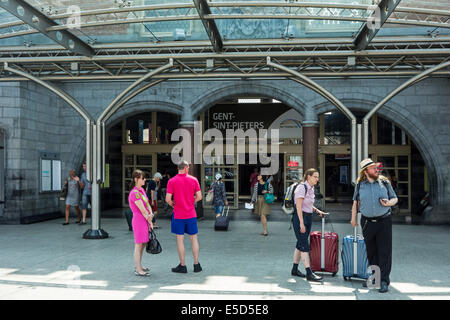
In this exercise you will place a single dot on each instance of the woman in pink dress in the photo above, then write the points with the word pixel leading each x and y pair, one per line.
pixel 142 219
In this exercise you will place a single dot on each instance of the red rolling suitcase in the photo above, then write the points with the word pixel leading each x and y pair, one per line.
pixel 324 250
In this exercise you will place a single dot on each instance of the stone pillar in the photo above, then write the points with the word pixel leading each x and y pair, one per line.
pixel 310 132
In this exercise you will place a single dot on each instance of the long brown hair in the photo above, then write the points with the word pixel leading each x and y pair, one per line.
pixel 136 174
pixel 308 173
pixel 362 177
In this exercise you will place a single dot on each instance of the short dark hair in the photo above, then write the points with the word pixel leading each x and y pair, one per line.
pixel 183 164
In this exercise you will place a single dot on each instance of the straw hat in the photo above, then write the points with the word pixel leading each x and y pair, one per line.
pixel 366 163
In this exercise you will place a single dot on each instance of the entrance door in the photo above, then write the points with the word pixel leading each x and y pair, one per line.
pixel 293 169
pixel 2 172
pixel 229 174
pixel 132 162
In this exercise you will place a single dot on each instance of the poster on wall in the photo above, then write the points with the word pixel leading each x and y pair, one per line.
pixel 56 175
pixel 46 183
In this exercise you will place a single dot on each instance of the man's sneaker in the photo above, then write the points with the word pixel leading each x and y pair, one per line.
pixel 197 267
pixel 180 269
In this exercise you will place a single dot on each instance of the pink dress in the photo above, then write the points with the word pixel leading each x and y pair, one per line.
pixel 140 225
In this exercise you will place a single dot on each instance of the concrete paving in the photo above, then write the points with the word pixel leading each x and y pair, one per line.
pixel 50 261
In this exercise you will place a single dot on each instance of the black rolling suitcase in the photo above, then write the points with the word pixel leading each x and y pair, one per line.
pixel 222 221
pixel 129 217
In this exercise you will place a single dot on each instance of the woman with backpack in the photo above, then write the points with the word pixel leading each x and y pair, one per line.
pixel 260 204
pixel 220 195
pixel 302 222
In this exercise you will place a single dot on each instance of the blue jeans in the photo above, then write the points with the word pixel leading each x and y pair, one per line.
pixel 218 209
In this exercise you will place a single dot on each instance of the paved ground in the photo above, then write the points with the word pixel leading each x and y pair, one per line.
pixel 42 261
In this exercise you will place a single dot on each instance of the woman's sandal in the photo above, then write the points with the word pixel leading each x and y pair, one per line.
pixel 264 234
pixel 145 274
pixel 65 223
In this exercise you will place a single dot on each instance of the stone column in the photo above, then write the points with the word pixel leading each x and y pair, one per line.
pixel 310 131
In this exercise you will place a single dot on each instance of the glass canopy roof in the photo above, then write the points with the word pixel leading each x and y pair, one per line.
pixel 121 21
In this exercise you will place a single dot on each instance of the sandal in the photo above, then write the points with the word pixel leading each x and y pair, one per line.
pixel 145 274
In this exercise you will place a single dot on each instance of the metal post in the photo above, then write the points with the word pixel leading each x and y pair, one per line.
pixel 322 246
pixel 365 141
pixel 354 168
pixel 95 232
pixel 359 146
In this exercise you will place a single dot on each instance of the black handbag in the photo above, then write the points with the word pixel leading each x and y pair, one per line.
pixel 153 245
pixel 63 194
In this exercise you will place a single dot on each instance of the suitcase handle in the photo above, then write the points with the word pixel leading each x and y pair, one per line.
pixel 223 210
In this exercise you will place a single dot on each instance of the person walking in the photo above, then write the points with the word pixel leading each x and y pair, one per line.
pixel 152 195
pixel 73 195
pixel 163 185
pixel 142 219
pixel 302 221
pixel 261 207
pixel 183 191
pixel 220 195
pixel 374 197
pixel 253 180
pixel 86 195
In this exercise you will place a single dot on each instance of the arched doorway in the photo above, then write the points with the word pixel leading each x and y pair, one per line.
pixel 247 112
pixel 137 138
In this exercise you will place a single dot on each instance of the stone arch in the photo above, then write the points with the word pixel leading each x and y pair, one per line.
pixel 133 108
pixel 413 126
pixel 251 88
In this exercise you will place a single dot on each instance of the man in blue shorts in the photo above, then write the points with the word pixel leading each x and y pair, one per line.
pixel 183 191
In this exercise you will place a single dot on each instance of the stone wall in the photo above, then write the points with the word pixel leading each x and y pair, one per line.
pixel 31 114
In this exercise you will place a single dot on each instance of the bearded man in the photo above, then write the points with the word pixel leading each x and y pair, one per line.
pixel 373 197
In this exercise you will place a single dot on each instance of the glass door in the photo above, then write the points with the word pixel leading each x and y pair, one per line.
pixel 229 174
pixel 293 169
pixel 396 169
pixel 130 163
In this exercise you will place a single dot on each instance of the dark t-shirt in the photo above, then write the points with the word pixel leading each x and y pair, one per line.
pixel 151 186
pixel 260 188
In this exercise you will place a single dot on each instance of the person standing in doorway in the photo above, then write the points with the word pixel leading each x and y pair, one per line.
pixel 87 194
pixel 374 198
pixel 142 219
pixel 73 195
pixel 183 191
pixel 152 195
pixel 261 207
pixel 302 221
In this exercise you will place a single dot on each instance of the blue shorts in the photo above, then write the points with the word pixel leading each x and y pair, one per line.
pixel 302 238
pixel 182 226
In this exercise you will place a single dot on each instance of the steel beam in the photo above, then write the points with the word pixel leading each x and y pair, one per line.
pixel 375 23
pixel 36 19
pixel 407 84
pixel 211 29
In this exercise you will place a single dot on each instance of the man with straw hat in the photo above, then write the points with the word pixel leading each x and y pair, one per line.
pixel 373 197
